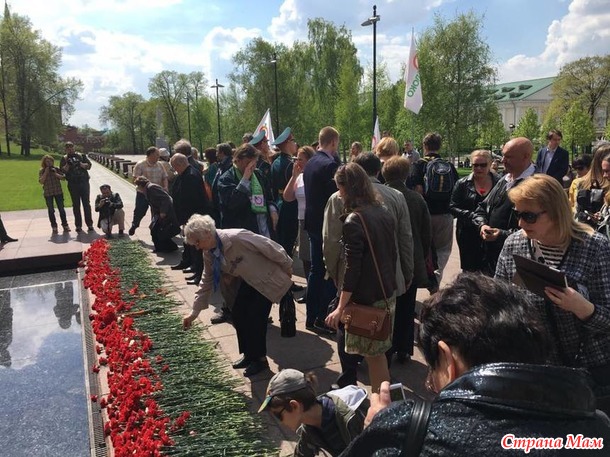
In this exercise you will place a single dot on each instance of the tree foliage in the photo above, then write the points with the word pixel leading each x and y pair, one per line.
pixel 577 128
pixel 456 70
pixel 528 126
pixel 33 94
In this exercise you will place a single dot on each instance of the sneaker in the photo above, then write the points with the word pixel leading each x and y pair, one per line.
pixel 223 316
pixel 66 228
pixel 256 367
pixel 55 230
pixel 132 231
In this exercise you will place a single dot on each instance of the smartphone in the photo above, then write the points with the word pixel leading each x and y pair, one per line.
pixel 397 392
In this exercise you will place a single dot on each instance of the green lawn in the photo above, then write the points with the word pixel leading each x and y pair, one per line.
pixel 19 184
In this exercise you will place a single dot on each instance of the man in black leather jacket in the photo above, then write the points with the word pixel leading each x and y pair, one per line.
pixel 487 349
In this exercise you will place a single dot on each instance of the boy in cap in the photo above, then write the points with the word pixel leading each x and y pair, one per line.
pixel 329 422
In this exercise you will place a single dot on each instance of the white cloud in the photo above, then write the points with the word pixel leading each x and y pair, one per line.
pixel 584 31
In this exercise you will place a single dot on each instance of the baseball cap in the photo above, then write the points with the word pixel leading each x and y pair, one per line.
pixel 286 381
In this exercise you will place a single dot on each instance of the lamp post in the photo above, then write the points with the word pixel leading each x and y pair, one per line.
pixel 373 21
pixel 188 114
pixel 277 109
pixel 218 86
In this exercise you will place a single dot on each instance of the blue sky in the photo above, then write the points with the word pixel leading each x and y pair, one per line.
pixel 115 46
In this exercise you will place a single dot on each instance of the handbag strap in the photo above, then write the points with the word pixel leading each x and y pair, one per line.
pixel 368 238
pixel 418 426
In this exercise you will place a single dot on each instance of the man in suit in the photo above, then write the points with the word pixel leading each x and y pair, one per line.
pixel 553 160
pixel 189 198
pixel 318 178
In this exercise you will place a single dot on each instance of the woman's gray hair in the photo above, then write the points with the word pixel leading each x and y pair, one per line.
pixel 197 226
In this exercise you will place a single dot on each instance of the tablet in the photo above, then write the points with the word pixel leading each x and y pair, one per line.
pixel 536 276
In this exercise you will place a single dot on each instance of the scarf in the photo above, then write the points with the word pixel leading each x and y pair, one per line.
pixel 257 197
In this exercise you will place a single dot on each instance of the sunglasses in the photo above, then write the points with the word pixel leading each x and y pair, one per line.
pixel 528 216
pixel 479 165
pixel 278 414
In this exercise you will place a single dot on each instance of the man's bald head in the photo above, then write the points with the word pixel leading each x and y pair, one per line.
pixel 179 162
pixel 517 155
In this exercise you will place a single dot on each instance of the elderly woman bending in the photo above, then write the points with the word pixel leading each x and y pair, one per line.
pixel 251 271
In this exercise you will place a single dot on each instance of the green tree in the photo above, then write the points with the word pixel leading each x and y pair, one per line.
pixel 124 113
pixel 585 81
pixel 34 96
pixel 528 126
pixel 349 125
pixel 456 70
pixel 491 134
pixel 171 89
pixel 577 129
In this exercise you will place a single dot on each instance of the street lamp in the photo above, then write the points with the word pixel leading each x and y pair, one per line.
pixel 188 114
pixel 218 86
pixel 277 110
pixel 373 21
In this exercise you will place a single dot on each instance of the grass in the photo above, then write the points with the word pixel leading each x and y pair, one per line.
pixel 19 184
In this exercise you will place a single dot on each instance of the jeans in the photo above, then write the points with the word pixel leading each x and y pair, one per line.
pixel 320 291
pixel 79 192
pixel 59 200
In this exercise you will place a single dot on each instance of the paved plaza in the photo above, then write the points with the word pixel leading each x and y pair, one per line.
pixel 307 351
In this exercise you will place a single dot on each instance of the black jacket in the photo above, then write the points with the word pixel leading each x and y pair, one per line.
pixel 360 273
pixel 235 206
pixel 464 201
pixel 189 195
pixel 318 177
pixel 559 163
pixel 471 415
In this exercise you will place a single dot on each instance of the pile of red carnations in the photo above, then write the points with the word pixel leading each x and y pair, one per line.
pixel 135 423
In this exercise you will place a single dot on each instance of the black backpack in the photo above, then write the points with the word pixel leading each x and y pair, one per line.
pixel 439 180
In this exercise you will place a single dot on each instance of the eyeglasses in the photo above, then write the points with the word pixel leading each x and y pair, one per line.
pixel 278 414
pixel 528 216
pixel 479 165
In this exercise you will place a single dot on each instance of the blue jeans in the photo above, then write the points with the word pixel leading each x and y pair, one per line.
pixel 320 291
pixel 59 200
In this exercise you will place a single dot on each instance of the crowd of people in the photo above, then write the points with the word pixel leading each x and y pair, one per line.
pixel 503 358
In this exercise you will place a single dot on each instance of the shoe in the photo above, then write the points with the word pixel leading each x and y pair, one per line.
pixel 301 300
pixel 188 269
pixel 108 236
pixel 132 231
pixel 223 316
pixel 256 367
pixel 309 326
pixel 55 230
pixel 121 233
pixel 321 327
pixel 297 288
pixel 194 282
pixel 78 229
pixel 90 228
pixel 179 266
pixel 66 228
pixel 194 275
pixel 243 362
pixel 8 239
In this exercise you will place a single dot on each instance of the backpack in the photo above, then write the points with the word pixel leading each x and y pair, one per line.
pixel 439 180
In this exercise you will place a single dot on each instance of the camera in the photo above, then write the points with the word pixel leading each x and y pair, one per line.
pixel 73 161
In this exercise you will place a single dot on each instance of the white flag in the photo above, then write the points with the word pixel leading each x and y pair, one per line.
pixel 376 135
pixel 413 97
pixel 265 125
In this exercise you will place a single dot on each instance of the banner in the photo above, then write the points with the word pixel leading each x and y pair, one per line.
pixel 376 135
pixel 413 97
pixel 265 125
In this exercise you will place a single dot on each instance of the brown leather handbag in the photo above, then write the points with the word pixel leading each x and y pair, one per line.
pixel 366 320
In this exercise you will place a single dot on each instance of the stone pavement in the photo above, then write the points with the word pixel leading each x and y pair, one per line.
pixel 306 352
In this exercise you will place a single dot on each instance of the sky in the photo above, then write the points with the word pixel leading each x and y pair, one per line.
pixel 116 46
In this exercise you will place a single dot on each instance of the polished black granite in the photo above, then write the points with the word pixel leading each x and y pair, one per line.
pixel 43 404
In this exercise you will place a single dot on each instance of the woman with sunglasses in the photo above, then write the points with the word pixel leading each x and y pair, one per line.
pixel 578 316
pixel 467 194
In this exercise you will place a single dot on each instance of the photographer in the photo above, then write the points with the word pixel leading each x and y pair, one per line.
pixel 49 176
pixel 110 207
pixel 75 167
